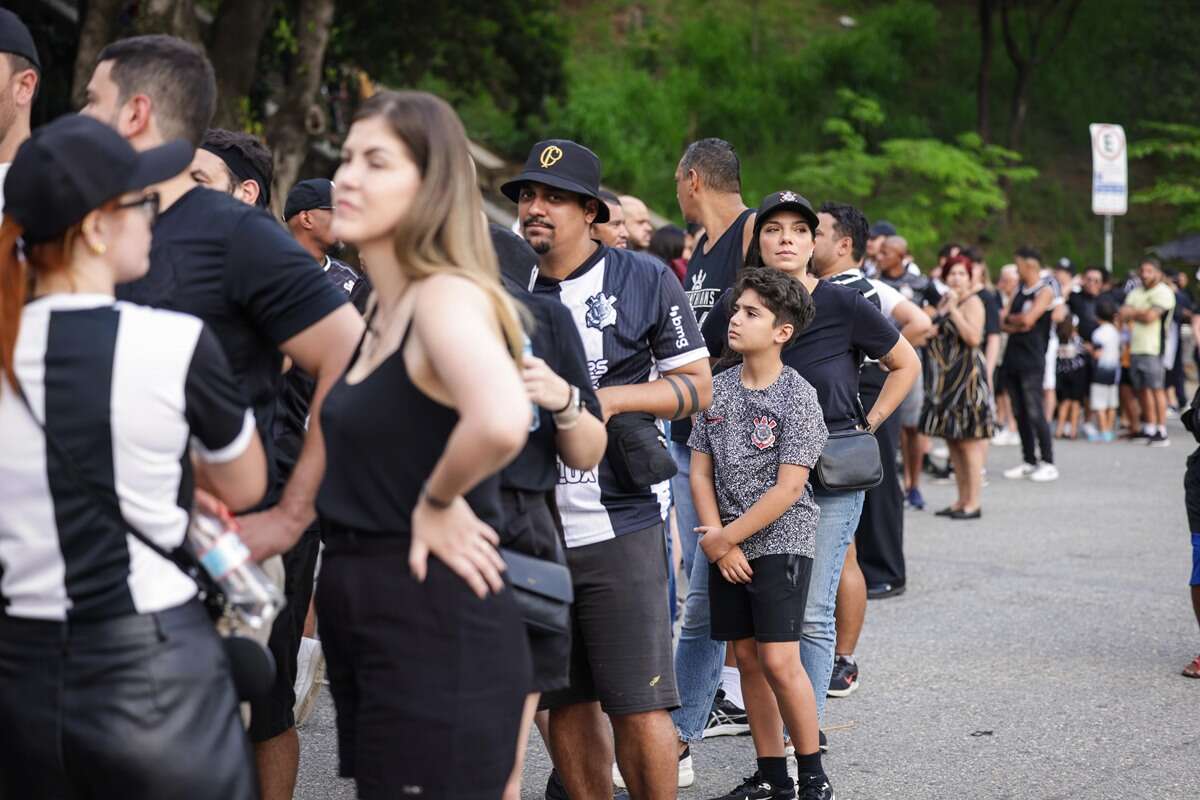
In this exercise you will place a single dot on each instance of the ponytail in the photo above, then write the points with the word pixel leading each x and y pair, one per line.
pixel 13 288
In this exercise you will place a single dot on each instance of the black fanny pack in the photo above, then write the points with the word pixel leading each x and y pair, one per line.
pixel 637 451
pixel 542 590
pixel 850 461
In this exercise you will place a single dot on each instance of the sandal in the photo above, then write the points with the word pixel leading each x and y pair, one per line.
pixel 1192 670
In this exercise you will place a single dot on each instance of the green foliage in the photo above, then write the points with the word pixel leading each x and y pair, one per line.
pixel 1178 146
pixel 931 189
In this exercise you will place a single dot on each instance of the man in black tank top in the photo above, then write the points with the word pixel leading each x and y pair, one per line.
pixel 1027 322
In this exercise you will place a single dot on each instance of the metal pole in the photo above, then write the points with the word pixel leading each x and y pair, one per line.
pixel 1108 241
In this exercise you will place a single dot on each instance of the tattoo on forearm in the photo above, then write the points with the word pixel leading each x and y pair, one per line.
pixel 670 379
pixel 693 396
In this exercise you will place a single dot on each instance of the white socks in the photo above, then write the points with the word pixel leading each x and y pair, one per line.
pixel 731 683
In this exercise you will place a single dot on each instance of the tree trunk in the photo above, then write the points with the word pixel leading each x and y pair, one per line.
pixel 287 134
pixel 99 21
pixel 1020 103
pixel 983 86
pixel 236 36
pixel 172 17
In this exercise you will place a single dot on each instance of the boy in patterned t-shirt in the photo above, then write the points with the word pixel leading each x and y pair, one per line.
pixel 751 456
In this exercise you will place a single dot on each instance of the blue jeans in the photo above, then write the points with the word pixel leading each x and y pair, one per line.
pixel 685 511
pixel 698 659
pixel 840 512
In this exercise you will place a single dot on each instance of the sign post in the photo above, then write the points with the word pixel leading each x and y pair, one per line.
pixel 1110 180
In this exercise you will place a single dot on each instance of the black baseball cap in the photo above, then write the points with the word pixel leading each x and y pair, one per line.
pixel 881 228
pixel 307 195
pixel 74 165
pixel 562 164
pixel 785 200
pixel 15 38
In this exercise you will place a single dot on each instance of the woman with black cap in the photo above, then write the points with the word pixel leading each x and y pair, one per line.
pixel 827 354
pixel 113 682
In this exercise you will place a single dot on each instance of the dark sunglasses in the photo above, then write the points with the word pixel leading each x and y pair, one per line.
pixel 148 203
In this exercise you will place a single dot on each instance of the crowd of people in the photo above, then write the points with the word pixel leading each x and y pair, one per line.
pixel 488 453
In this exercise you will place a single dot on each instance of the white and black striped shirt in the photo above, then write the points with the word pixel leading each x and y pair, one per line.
pixel 122 389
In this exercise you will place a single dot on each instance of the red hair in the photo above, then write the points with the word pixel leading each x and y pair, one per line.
pixel 15 280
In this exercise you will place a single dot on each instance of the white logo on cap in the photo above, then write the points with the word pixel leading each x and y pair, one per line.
pixel 787 197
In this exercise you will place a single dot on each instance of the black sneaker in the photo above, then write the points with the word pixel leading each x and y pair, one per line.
pixel 844 679
pixel 1158 440
pixel 726 718
pixel 813 787
pixel 756 787
pixel 554 787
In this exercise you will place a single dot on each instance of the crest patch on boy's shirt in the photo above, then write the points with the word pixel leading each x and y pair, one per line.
pixel 764 432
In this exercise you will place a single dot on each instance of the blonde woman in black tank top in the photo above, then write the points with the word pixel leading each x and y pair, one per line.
pixel 428 660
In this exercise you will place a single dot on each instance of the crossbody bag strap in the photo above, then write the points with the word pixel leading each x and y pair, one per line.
pixel 180 556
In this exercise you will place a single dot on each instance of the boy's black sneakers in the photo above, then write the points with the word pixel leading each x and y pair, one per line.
pixel 813 787
pixel 756 787
pixel 726 719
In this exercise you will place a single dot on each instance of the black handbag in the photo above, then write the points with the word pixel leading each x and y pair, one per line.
pixel 850 461
pixel 543 591
pixel 637 451
pixel 251 665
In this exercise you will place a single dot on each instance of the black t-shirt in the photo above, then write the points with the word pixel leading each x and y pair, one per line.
pixel 555 340
pixel 918 288
pixel 828 352
pixel 517 259
pixel 708 276
pixel 237 269
pixel 1083 307
pixel 991 311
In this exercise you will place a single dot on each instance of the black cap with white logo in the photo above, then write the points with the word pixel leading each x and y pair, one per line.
pixel 74 165
pixel 562 164
pixel 786 200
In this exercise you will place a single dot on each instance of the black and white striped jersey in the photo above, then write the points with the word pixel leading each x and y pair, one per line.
pixel 635 323
pixel 123 389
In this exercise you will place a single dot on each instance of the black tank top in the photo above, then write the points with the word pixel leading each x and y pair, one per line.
pixel 708 276
pixel 1026 351
pixel 383 437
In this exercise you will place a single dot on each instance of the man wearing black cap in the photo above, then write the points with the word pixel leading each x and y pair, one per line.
pixel 612 232
pixel 264 297
pixel 236 163
pixel 875 237
pixel 20 71
pixel 634 321
pixel 308 214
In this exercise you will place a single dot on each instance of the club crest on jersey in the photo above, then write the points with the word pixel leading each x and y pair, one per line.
pixel 698 280
pixel 764 432
pixel 601 311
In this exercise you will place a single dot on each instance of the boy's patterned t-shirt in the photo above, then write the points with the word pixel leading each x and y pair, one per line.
pixel 749 433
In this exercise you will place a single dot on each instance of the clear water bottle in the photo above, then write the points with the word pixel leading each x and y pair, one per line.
pixel 537 417
pixel 254 597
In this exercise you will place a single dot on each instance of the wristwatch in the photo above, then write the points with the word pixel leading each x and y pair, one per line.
pixel 568 416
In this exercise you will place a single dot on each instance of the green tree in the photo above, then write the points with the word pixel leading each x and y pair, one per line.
pixel 1176 147
pixel 932 189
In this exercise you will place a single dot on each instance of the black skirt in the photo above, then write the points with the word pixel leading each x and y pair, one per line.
pixel 427 679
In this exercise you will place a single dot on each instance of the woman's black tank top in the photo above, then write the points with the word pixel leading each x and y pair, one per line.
pixel 383 437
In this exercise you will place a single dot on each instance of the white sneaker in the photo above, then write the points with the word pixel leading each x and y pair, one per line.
pixel 687 775
pixel 1044 473
pixel 310 673
pixel 1020 472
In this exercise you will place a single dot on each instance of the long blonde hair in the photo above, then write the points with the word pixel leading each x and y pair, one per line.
pixel 444 229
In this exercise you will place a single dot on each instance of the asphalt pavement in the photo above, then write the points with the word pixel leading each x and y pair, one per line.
pixel 1036 653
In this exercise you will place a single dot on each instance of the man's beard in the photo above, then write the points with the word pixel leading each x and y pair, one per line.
pixel 541 246
pixel 8 114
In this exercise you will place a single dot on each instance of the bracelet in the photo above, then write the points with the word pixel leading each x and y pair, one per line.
pixel 440 505
pixel 570 400
pixel 572 419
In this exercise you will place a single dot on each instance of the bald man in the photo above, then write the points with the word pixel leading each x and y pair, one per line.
pixel 637 222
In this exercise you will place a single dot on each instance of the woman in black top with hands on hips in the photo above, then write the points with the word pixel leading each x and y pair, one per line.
pixel 427 656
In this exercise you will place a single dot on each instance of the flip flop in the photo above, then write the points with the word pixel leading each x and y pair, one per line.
pixel 1192 670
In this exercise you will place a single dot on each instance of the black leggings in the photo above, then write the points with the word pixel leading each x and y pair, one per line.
pixel 1025 391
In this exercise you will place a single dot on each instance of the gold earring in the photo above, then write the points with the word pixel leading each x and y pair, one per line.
pixel 100 248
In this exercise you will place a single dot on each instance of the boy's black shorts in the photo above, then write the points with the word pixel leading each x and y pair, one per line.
pixel 768 609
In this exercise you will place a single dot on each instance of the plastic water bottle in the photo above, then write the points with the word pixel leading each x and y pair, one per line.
pixel 254 597
pixel 537 418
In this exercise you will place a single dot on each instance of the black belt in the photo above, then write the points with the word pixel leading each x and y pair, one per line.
pixel 158 622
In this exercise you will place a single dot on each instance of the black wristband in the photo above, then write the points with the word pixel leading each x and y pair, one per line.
pixel 570 400
pixel 440 505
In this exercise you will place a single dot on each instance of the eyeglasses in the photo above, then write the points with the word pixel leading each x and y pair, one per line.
pixel 148 203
